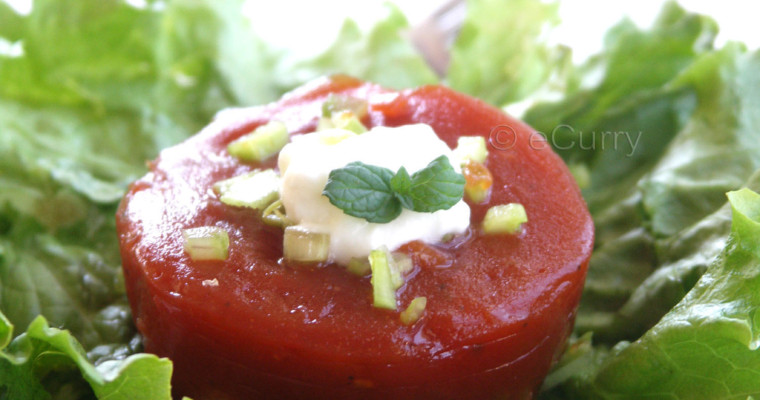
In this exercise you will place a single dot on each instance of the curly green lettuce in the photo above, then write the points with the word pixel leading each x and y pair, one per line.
pixel 45 363
pixel 684 113
pixel 91 89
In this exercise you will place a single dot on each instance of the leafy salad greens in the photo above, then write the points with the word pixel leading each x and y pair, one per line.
pixel 91 89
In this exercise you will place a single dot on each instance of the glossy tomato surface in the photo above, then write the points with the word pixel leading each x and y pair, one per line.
pixel 253 327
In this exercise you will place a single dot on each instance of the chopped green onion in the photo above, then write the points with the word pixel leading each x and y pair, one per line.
pixel 264 142
pixel 506 218
pixel 304 246
pixel 333 136
pixel 402 261
pixel 348 121
pixel 342 120
pixel 274 214
pixel 335 103
pixel 400 265
pixel 359 266
pixel 206 243
pixel 414 311
pixel 477 194
pixel 478 181
pixel 471 148
pixel 325 124
pixel 343 112
pixel 256 189
pixel 383 291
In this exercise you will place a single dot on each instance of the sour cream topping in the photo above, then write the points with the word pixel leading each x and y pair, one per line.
pixel 305 164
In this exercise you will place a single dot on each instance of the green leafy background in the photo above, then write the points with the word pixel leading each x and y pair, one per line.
pixel 97 87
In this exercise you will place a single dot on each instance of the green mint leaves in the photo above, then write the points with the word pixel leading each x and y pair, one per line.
pixel 435 187
pixel 377 195
pixel 363 191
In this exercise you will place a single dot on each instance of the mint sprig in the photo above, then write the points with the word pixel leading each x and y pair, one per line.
pixel 378 195
pixel 435 187
pixel 363 191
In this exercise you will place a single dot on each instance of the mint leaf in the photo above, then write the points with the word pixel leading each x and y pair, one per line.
pixel 401 183
pixel 377 195
pixel 435 187
pixel 363 191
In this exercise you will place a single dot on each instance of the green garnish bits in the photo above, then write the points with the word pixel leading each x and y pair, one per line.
pixel 359 266
pixel 257 189
pixel 378 195
pixel 343 112
pixel 506 218
pixel 206 243
pixel 264 142
pixel 339 103
pixel 274 214
pixel 414 311
pixel 472 148
pixel 343 120
pixel 383 290
pixel 301 245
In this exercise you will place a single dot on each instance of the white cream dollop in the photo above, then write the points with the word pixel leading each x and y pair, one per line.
pixel 306 162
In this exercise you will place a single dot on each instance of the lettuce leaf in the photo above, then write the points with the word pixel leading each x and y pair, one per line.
pixel 380 54
pixel 684 184
pixel 32 365
pixel 500 54
pixel 648 138
pixel 78 125
pixel 662 121
pixel 658 202
pixel 707 345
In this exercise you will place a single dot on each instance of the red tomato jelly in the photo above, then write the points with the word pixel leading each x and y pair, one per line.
pixel 499 307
